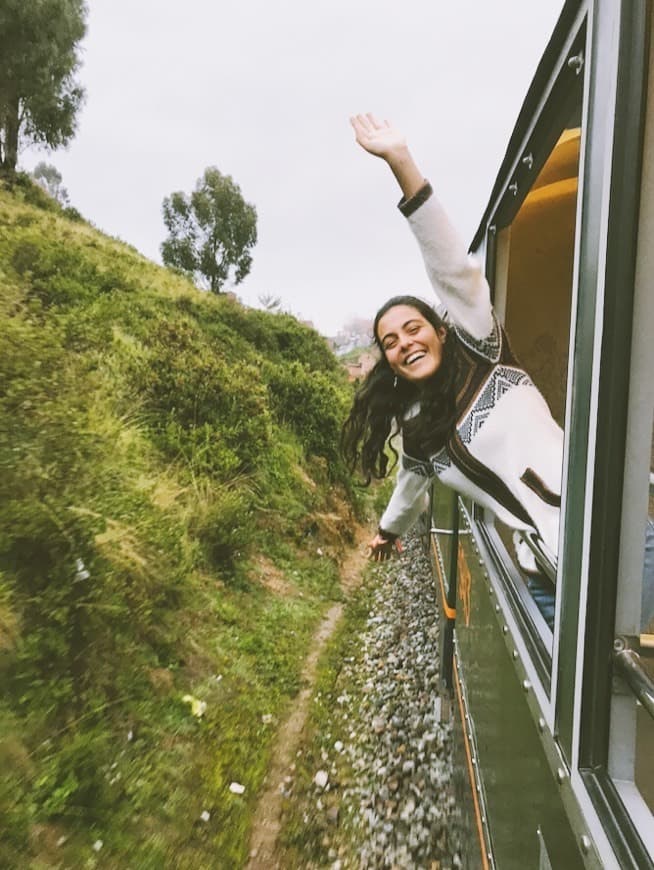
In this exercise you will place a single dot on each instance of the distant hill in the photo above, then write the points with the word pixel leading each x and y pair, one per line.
pixel 172 509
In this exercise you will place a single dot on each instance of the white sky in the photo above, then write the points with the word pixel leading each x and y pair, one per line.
pixel 263 91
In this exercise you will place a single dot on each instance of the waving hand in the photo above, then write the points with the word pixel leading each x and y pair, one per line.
pixel 377 137
pixel 383 140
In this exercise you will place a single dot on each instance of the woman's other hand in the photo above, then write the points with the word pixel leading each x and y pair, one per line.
pixel 380 549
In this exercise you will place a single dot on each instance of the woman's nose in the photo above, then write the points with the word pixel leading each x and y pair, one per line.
pixel 405 341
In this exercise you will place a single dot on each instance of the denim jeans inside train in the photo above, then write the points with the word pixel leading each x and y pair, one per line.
pixel 543 593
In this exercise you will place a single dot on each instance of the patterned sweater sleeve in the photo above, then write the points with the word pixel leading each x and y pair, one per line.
pixel 406 503
pixel 456 276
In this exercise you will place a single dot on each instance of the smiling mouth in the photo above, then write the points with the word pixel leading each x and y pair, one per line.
pixel 414 357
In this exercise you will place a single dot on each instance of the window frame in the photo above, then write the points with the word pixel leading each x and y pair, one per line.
pixel 577 708
pixel 605 582
pixel 555 104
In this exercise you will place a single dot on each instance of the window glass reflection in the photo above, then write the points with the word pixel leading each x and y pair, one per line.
pixel 647 598
pixel 443 518
pixel 631 743
pixel 644 766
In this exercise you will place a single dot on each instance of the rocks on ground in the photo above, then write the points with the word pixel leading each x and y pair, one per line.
pixel 395 807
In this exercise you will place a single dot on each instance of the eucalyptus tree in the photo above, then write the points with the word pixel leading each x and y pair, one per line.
pixel 39 56
pixel 211 231
pixel 50 179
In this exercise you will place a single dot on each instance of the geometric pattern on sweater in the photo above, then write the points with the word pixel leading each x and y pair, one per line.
pixel 440 461
pixel 416 466
pixel 501 380
pixel 435 465
pixel 490 347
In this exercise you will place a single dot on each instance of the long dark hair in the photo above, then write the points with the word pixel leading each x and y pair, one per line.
pixel 382 401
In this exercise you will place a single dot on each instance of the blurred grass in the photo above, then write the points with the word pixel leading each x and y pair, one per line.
pixel 307 837
pixel 172 511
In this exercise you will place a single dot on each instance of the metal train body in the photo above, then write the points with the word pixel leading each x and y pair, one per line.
pixel 555 727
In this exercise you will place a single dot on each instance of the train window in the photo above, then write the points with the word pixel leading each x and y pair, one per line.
pixel 533 279
pixel 443 537
pixel 631 710
pixel 644 723
pixel 647 597
pixel 644 767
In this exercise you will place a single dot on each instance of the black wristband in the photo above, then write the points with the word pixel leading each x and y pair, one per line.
pixel 408 206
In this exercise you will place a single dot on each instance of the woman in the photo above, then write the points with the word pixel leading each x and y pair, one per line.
pixel 468 413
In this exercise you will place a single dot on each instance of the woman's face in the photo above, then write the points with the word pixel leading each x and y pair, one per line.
pixel 413 348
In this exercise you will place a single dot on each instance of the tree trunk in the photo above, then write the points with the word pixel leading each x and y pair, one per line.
pixel 12 125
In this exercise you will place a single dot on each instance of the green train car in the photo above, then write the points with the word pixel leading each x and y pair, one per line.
pixel 554 710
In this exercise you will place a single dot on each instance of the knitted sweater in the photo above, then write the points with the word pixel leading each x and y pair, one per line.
pixel 506 452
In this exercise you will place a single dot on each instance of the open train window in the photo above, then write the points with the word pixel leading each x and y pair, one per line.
pixel 532 266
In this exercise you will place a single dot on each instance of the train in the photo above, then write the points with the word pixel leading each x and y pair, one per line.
pixel 550 669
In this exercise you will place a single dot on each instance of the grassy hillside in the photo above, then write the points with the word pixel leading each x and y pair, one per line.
pixel 172 507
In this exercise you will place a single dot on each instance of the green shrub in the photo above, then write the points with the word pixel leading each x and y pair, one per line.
pixel 204 409
pixel 280 337
pixel 224 527
pixel 62 275
pixel 73 214
pixel 30 192
pixel 313 405
pixel 163 454
pixel 90 567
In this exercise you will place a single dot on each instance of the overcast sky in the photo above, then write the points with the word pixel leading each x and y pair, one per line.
pixel 263 91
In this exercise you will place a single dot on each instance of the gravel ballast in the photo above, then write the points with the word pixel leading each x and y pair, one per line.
pixel 383 781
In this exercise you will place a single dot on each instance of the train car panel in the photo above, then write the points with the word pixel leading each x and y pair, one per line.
pixel 521 793
pixel 554 658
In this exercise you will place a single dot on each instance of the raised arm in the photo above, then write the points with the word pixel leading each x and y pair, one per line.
pixel 456 277
pixel 383 140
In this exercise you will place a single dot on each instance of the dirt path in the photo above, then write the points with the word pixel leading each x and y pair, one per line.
pixel 267 816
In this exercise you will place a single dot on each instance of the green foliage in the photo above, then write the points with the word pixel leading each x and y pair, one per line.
pixel 162 454
pixel 73 214
pixel 200 406
pixel 30 192
pixel 313 406
pixel 284 339
pixel 223 524
pixel 39 97
pixel 62 275
pixel 211 231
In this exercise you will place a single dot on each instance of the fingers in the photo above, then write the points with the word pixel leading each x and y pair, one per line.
pixel 382 552
pixel 374 554
pixel 368 123
pixel 362 127
pixel 374 122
